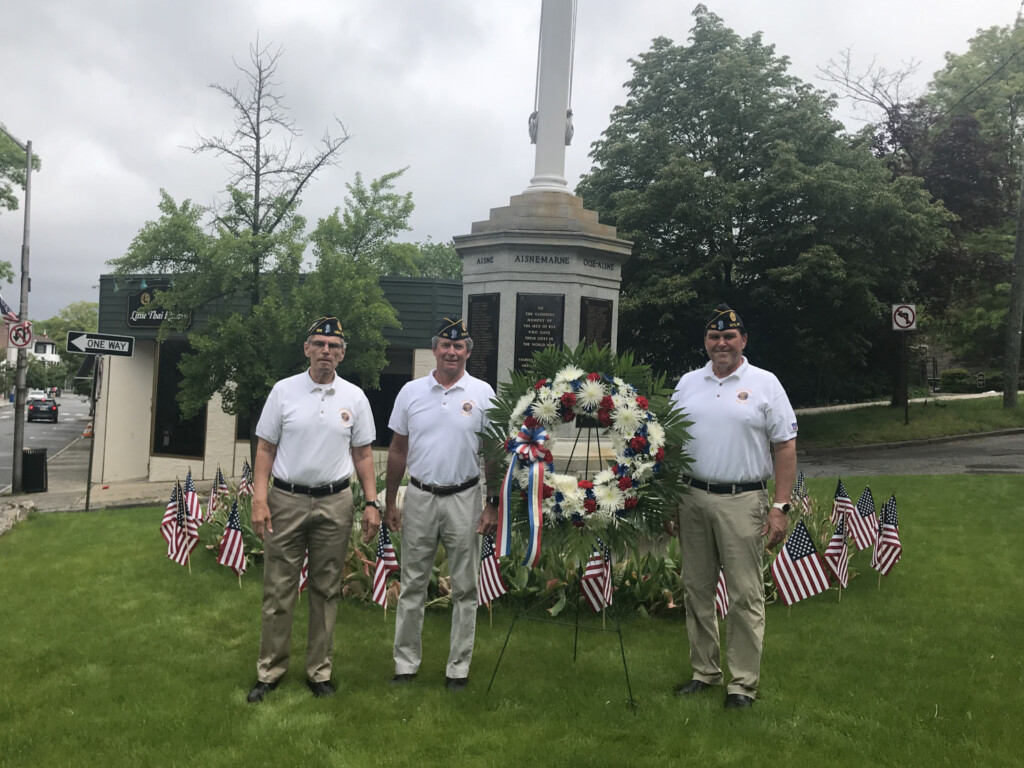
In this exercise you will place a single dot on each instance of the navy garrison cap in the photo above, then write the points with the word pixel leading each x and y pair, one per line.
pixel 724 317
pixel 326 326
pixel 452 329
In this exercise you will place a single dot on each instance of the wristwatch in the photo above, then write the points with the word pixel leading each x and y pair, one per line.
pixel 783 506
pixel 374 504
pixel 493 500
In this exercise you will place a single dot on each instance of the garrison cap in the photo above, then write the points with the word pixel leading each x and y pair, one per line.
pixel 452 329
pixel 326 326
pixel 723 318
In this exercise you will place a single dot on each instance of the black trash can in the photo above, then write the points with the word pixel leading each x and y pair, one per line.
pixel 33 470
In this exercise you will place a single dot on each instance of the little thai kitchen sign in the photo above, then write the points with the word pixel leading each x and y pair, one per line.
pixel 141 313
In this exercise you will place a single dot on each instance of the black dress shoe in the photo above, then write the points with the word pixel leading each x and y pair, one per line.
pixel 456 683
pixel 738 701
pixel 322 689
pixel 260 690
pixel 692 687
pixel 403 679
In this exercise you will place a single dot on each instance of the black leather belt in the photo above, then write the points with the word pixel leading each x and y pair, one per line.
pixel 727 488
pixel 319 490
pixel 444 490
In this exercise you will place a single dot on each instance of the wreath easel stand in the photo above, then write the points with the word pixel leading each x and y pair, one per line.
pixel 529 613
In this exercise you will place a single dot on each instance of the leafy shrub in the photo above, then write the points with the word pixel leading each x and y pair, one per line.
pixel 957 380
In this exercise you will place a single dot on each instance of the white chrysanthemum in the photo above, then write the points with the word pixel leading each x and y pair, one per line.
pixel 519 412
pixel 655 435
pixel 642 471
pixel 559 388
pixel 618 442
pixel 604 476
pixel 601 519
pixel 609 497
pixel 569 373
pixel 564 483
pixel 590 395
pixel 620 385
pixel 546 410
pixel 627 420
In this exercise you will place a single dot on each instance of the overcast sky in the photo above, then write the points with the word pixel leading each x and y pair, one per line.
pixel 110 91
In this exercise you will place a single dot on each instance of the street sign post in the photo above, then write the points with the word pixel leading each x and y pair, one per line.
pixel 85 343
pixel 904 318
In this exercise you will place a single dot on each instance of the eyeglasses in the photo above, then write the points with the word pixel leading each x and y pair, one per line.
pixel 334 346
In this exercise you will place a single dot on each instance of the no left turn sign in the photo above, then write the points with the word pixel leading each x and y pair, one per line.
pixel 20 334
pixel 904 317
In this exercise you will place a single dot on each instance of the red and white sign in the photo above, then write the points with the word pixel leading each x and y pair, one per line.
pixel 19 335
pixel 904 317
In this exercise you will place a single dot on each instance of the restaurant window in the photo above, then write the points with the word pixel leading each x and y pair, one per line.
pixel 173 435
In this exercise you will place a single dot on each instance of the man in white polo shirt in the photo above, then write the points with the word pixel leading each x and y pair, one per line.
pixel 740 414
pixel 436 420
pixel 315 429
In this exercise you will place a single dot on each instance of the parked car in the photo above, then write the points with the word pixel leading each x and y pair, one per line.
pixel 42 410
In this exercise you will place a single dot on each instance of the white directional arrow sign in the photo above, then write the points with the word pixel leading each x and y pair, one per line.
pixel 85 343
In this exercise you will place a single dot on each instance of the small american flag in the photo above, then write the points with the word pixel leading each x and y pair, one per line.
pixel 864 525
pixel 304 573
pixel 888 548
pixel 800 491
pixel 219 490
pixel 186 531
pixel 245 486
pixel 232 550
pixel 721 595
pixel 8 314
pixel 596 583
pixel 842 504
pixel 489 584
pixel 167 524
pixel 192 499
pixel 386 563
pixel 797 569
pixel 837 554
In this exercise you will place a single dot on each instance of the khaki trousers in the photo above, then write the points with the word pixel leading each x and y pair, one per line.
pixel 724 531
pixel 322 525
pixel 426 520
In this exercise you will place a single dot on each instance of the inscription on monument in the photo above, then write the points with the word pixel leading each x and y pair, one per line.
pixel 532 258
pixel 540 320
pixel 483 326
pixel 596 321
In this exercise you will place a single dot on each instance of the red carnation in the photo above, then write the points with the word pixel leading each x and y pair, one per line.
pixel 590 505
pixel 641 401
pixel 607 403
pixel 660 454
pixel 578 523
pixel 540 383
pixel 638 443
pixel 547 492
pixel 630 502
pixel 568 415
pixel 604 417
pixel 568 400
pixel 585 485
pixel 593 377
pixel 530 422
pixel 625 483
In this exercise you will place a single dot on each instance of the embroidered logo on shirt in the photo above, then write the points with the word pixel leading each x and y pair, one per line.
pixel 467 407
pixel 346 416
pixel 742 395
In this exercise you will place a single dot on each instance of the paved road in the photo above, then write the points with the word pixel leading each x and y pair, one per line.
pixel 998 454
pixel 74 415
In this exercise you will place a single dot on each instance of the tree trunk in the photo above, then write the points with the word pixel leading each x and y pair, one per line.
pixel 1015 317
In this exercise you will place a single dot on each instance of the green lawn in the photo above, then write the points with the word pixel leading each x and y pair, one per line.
pixel 884 424
pixel 114 656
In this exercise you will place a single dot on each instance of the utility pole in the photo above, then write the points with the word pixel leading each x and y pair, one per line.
pixel 22 370
pixel 1015 316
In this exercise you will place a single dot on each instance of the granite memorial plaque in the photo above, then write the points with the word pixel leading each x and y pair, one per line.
pixel 540 321
pixel 596 321
pixel 482 321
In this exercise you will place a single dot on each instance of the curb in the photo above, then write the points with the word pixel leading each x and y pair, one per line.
pixel 911 443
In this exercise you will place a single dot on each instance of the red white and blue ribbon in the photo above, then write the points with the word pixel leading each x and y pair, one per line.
pixel 528 448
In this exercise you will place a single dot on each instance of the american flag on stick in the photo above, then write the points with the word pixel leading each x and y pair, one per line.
pixel 842 504
pixel 837 554
pixel 245 485
pixel 220 489
pixel 721 595
pixel 167 524
pixel 596 583
pixel 800 492
pixel 888 548
pixel 232 549
pixel 192 499
pixel 386 563
pixel 489 584
pixel 186 532
pixel 8 314
pixel 864 524
pixel 304 573
pixel 797 569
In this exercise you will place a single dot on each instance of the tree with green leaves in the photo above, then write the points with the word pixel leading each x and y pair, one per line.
pixel 76 316
pixel 735 184
pixel 243 273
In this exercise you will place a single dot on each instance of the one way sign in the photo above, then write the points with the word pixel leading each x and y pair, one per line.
pixel 85 343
